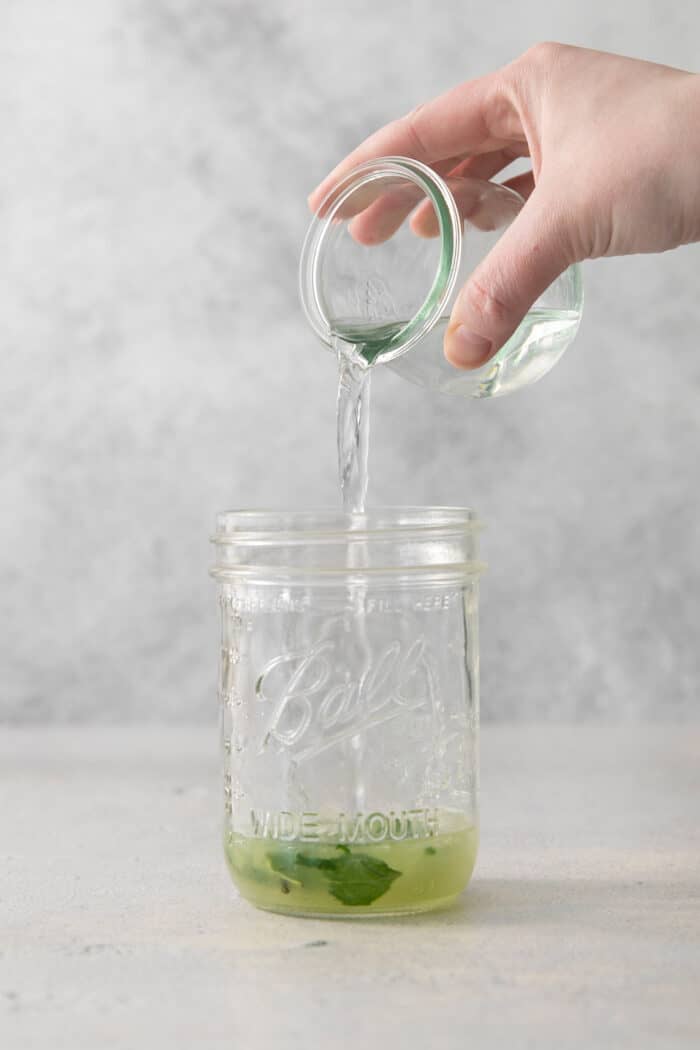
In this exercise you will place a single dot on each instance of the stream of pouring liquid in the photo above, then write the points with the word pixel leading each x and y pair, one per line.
pixel 353 451
pixel 353 428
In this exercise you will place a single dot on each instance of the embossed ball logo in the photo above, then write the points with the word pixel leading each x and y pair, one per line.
pixel 314 702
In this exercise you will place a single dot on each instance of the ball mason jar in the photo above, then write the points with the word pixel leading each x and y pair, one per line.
pixel 349 703
pixel 385 257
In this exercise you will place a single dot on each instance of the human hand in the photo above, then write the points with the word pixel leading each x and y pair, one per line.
pixel 615 149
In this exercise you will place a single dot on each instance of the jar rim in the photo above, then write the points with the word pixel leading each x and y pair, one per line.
pixel 251 525
pixel 423 545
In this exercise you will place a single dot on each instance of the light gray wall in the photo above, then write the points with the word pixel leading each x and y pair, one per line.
pixel 155 156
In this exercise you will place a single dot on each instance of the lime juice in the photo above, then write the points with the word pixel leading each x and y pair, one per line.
pixel 347 879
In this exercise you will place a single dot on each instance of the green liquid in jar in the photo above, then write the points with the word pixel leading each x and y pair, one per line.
pixel 349 879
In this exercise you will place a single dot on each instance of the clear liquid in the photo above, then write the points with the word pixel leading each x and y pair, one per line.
pixel 412 875
pixel 352 417
pixel 532 350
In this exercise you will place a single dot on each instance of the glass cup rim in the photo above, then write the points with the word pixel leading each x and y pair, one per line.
pixel 437 190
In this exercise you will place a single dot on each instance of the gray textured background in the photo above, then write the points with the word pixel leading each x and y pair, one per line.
pixel 155 156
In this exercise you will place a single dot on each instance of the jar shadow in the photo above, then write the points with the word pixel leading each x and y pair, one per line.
pixel 603 904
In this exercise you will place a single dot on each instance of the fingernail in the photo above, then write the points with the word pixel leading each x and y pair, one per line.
pixel 466 349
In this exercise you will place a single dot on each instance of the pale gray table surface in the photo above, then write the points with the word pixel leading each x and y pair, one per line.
pixel 119 927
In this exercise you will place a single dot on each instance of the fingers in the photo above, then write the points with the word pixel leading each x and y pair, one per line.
pixel 532 252
pixel 485 205
pixel 486 165
pixel 477 116
pixel 486 212
pixel 381 218
pixel 384 216
pixel 363 197
pixel 424 222
pixel 523 184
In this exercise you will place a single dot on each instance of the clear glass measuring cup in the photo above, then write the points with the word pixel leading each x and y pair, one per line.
pixel 349 701
pixel 368 279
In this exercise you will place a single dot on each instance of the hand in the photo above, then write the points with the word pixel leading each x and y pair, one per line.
pixel 615 151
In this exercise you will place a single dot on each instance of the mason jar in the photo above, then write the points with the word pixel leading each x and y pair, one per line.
pixel 349 698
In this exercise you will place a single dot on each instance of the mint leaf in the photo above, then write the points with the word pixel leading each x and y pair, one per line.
pixel 323 863
pixel 283 863
pixel 354 878
pixel 361 879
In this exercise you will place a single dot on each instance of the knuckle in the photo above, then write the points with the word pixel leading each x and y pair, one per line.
pixel 413 125
pixel 414 113
pixel 492 311
pixel 544 53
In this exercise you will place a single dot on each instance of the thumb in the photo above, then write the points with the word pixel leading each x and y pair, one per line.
pixel 532 252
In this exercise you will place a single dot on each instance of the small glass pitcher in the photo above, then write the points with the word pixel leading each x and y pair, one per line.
pixel 369 280
pixel 349 707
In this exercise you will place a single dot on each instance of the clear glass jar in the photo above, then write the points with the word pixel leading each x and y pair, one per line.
pixel 349 707
pixel 384 258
